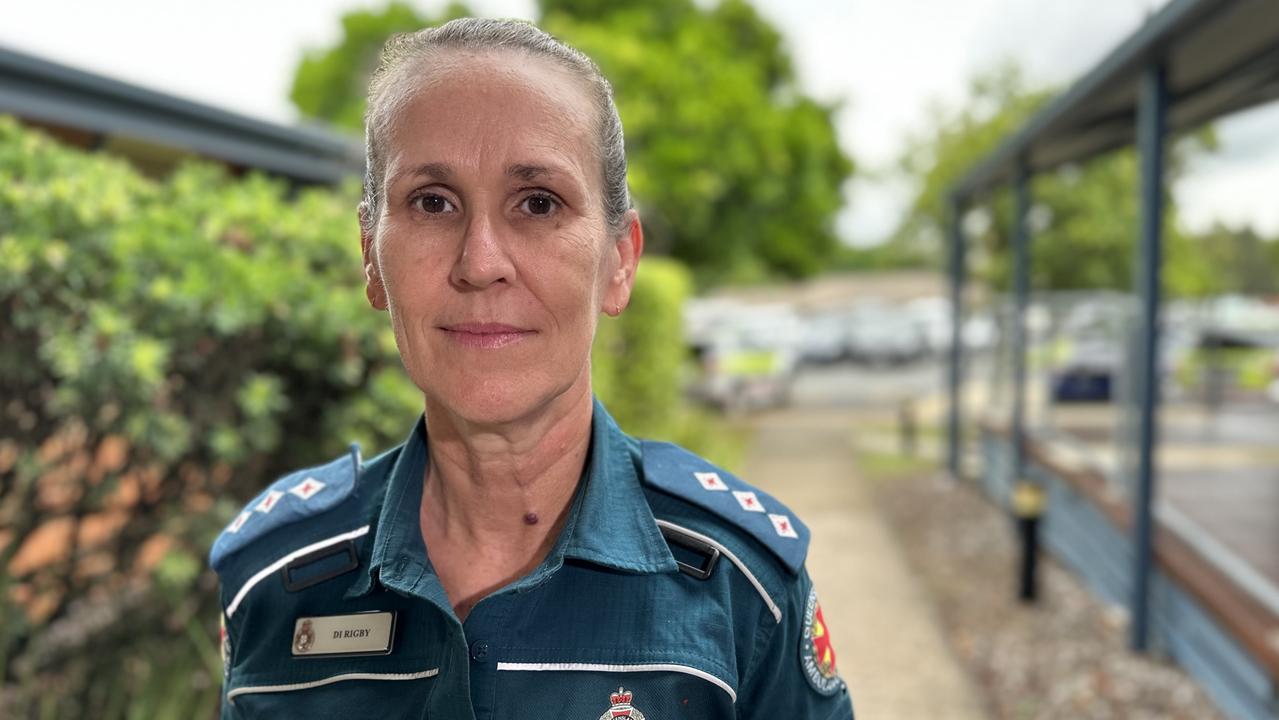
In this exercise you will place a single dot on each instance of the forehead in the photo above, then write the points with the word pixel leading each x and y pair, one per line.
pixel 491 110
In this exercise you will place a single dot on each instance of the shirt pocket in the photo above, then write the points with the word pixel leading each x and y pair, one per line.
pixel 601 691
pixel 319 692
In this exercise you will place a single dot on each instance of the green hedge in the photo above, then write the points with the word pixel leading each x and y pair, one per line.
pixel 167 347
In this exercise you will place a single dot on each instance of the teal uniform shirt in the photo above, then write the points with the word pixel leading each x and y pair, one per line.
pixel 673 591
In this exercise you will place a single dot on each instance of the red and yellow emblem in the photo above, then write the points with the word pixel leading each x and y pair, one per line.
pixel 823 653
pixel 816 654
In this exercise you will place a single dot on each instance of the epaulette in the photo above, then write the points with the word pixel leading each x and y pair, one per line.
pixel 683 474
pixel 295 496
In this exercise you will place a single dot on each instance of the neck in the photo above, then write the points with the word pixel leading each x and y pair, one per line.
pixel 500 488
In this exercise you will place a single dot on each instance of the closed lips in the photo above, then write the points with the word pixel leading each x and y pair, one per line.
pixel 487 336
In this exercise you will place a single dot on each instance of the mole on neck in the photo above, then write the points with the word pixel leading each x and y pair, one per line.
pixel 530 518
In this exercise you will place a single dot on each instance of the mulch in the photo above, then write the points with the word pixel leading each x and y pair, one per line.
pixel 1064 657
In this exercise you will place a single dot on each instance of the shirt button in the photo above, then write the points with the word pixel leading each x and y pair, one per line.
pixel 479 651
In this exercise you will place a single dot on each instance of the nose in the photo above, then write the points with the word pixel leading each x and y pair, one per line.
pixel 482 260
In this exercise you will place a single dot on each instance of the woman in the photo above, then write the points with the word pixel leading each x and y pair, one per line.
pixel 518 555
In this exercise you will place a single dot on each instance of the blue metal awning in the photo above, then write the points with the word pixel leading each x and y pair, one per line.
pixel 1222 56
pixel 51 94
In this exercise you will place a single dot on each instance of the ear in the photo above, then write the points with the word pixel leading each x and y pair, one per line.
pixel 374 289
pixel 628 247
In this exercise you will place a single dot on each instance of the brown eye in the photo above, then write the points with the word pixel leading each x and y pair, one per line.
pixel 539 205
pixel 433 204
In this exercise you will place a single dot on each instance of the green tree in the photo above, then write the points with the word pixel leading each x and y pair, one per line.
pixel 330 84
pixel 736 172
pixel 1085 216
pixel 1245 261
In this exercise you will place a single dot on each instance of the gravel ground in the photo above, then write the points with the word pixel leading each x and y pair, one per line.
pixel 1063 658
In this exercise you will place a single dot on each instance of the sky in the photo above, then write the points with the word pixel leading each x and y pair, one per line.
pixel 886 63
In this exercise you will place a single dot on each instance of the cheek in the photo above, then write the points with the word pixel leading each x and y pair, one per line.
pixel 410 268
pixel 567 280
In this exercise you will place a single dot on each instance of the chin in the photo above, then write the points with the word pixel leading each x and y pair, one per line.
pixel 496 398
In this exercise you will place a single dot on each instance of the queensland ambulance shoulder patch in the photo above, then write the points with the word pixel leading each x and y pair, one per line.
pixel 816 654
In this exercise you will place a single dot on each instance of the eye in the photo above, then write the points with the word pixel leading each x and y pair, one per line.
pixel 433 204
pixel 539 204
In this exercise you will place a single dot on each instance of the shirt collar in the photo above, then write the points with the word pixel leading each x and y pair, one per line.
pixel 609 523
pixel 614 526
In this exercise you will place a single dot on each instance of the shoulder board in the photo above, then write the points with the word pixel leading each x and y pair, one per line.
pixel 295 496
pixel 683 474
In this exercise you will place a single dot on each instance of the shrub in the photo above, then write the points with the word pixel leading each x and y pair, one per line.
pixel 167 347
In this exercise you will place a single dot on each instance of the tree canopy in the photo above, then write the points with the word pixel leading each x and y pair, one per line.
pixel 1085 218
pixel 736 172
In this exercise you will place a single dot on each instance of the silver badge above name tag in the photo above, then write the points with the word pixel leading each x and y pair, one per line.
pixel 366 633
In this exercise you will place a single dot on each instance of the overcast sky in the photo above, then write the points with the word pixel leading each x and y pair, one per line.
pixel 886 61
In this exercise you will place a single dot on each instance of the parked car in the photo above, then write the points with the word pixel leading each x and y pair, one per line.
pixel 747 359
pixel 1090 373
pixel 885 336
pixel 932 315
pixel 734 373
pixel 825 338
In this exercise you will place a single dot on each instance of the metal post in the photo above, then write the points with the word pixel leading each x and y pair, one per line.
pixel 1027 498
pixel 1151 113
pixel 1021 298
pixel 954 368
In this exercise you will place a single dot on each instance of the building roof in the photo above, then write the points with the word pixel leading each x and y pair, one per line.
pixel 1222 56
pixel 110 112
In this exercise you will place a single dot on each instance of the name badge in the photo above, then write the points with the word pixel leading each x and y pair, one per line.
pixel 366 633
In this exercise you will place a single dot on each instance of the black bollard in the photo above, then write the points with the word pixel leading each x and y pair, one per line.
pixel 1029 586
pixel 1028 506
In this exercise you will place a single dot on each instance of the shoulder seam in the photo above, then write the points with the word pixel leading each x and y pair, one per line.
pixel 754 581
pixel 267 571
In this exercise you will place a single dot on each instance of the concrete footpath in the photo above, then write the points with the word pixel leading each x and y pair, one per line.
pixel 889 647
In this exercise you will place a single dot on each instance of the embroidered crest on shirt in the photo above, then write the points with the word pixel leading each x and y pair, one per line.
pixel 816 654
pixel 622 707
pixel 710 480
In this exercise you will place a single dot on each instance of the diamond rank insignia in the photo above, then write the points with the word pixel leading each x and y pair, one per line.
pixel 748 501
pixel 307 488
pixel 622 707
pixel 783 526
pixel 269 502
pixel 238 522
pixel 710 481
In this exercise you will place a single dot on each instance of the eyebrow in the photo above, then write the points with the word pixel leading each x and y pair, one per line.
pixel 528 173
pixel 437 170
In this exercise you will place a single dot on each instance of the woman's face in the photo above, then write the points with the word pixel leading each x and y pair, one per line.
pixel 492 252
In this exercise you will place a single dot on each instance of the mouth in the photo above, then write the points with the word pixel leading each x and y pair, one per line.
pixel 489 336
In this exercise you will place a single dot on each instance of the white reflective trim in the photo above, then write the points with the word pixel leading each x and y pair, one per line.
pixel 251 689
pixel 601 667
pixel 759 588
pixel 262 574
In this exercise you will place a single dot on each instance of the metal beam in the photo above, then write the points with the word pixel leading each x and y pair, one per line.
pixel 46 92
pixel 954 368
pixel 1159 31
pixel 1021 299
pixel 1151 142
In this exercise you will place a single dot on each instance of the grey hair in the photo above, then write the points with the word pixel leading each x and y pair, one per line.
pixel 392 87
